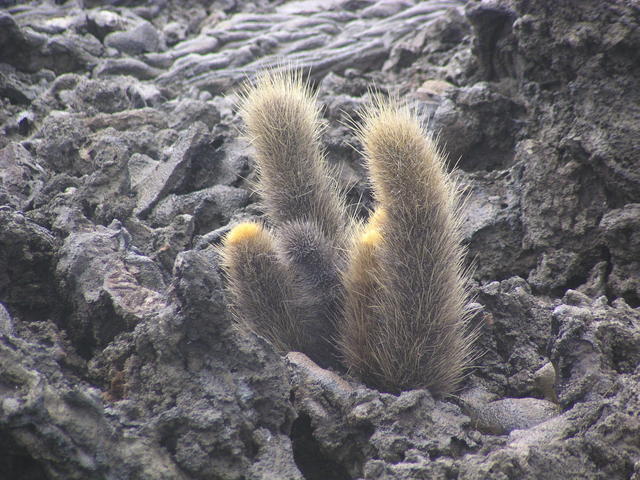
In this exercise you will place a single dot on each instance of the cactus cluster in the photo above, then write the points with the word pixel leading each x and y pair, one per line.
pixel 386 298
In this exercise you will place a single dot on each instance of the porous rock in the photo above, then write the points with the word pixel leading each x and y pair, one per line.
pixel 138 39
pixel 110 285
pixel 508 414
pixel 20 176
pixel 26 265
pixel 593 344
pixel 121 162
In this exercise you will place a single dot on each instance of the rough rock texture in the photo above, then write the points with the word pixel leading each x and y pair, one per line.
pixel 122 165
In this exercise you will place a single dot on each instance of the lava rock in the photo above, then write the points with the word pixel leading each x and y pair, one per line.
pixel 170 176
pixel 110 285
pixel 27 262
pixel 139 39
pixel 122 166
pixel 621 230
pixel 21 177
pixel 504 416
pixel 212 208
pixel 593 342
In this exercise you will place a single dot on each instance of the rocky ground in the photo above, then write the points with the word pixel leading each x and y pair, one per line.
pixel 121 165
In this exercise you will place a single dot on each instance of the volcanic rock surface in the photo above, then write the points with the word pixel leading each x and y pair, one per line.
pixel 122 166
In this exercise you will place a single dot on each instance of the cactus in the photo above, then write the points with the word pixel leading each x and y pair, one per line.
pixel 416 316
pixel 261 287
pixel 301 199
pixel 390 296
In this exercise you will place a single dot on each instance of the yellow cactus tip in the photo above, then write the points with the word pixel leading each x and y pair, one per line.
pixel 371 237
pixel 378 217
pixel 242 232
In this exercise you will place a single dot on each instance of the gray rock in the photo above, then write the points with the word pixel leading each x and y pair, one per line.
pixel 199 45
pixel 492 224
pixel 62 137
pixel 93 96
pixel 508 414
pixel 545 378
pixel 103 22
pixel 186 112
pixel 14 87
pixel 383 8
pixel 20 176
pixel 347 433
pixel 254 399
pixel 211 208
pixel 515 328
pixel 174 32
pixel 621 230
pixel 170 175
pixel 126 66
pixel 26 265
pixel 593 343
pixel 82 438
pixel 121 359
pixel 29 50
pixel 314 38
pixel 111 287
pixel 139 167
pixel 477 125
pixel 6 324
pixel 139 39
pixel 547 451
